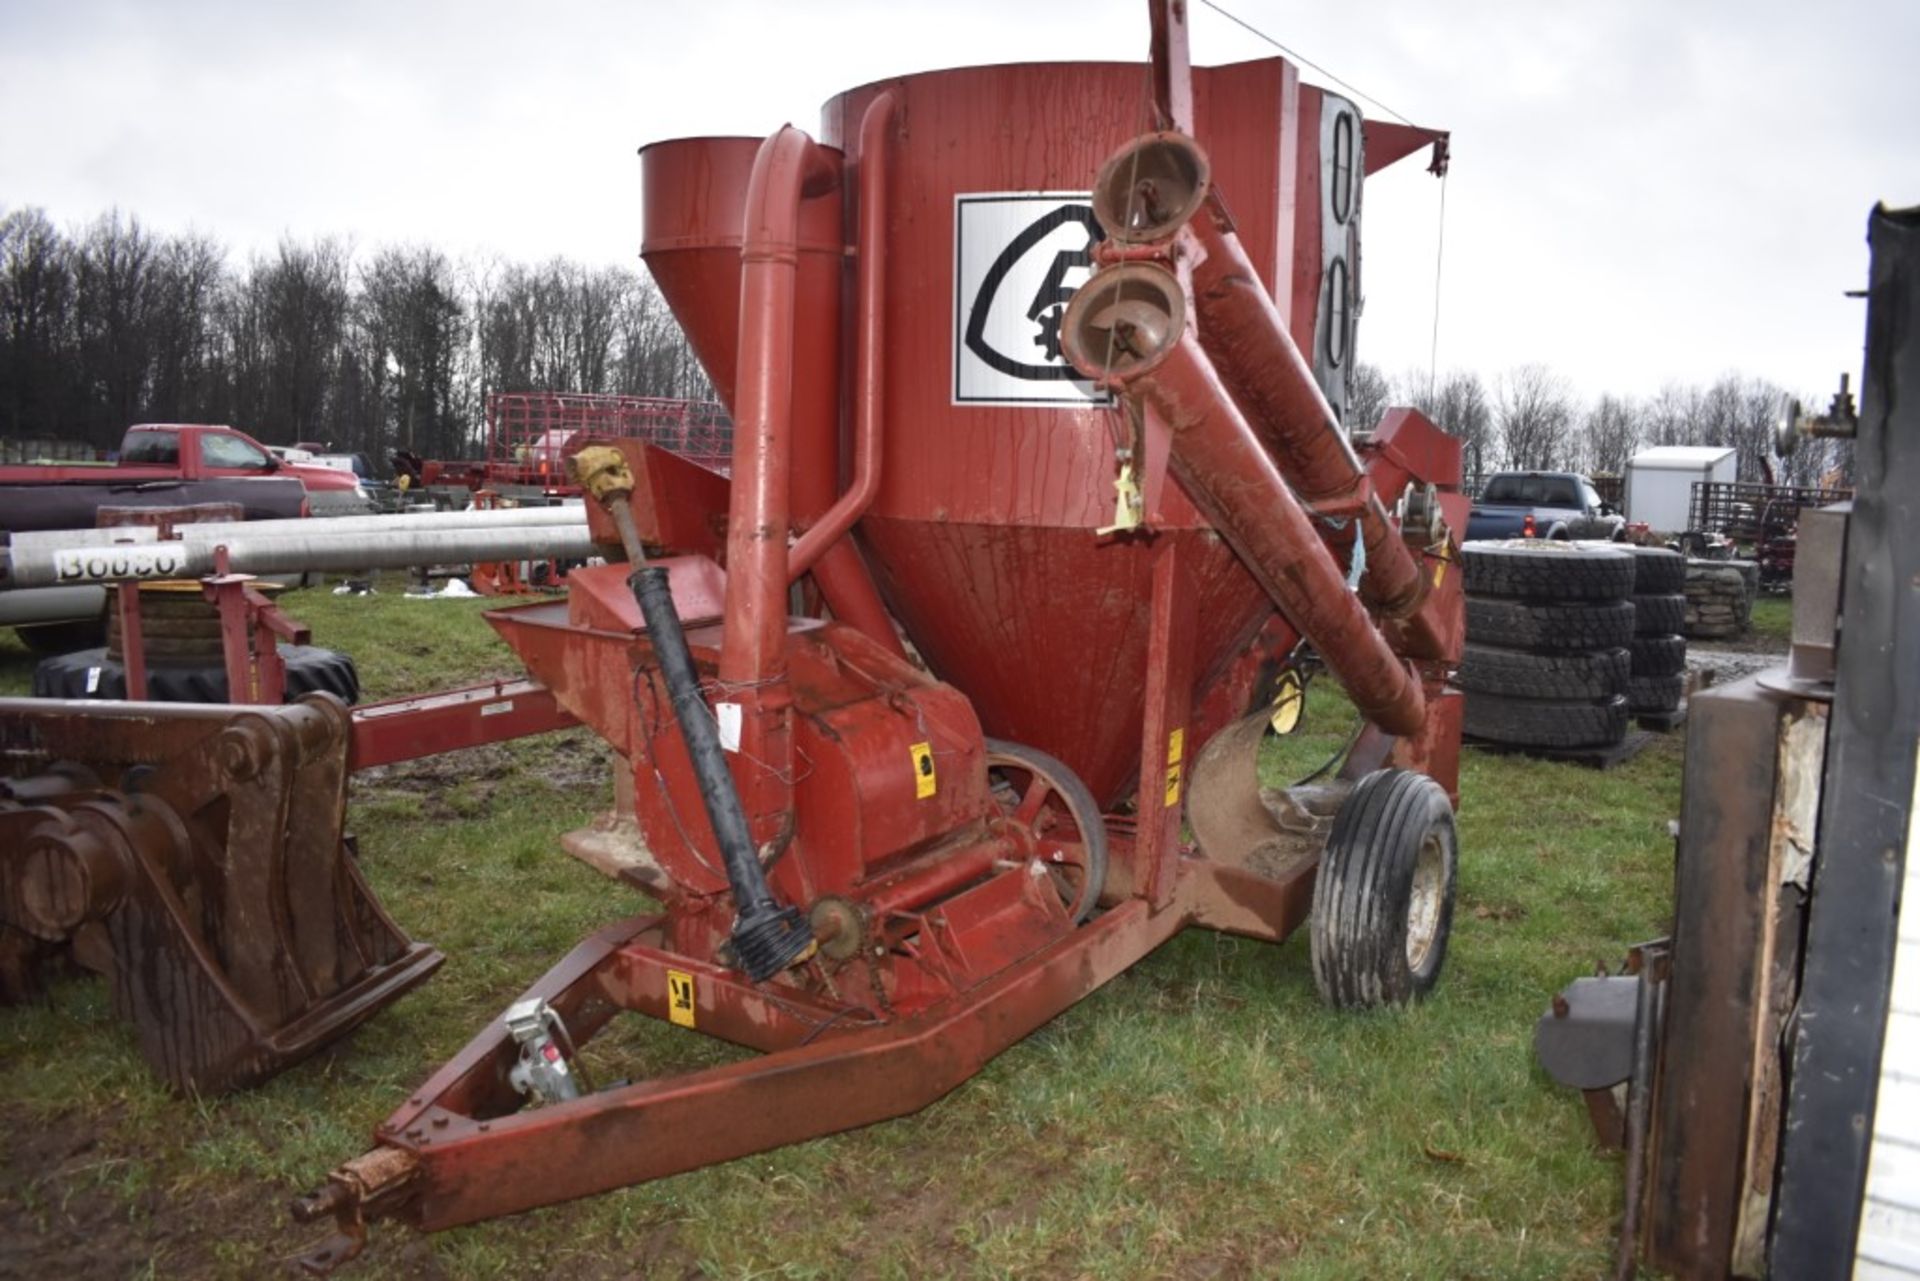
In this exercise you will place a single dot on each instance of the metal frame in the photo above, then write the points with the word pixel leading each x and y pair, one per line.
pixel 522 426
pixel 1748 511
pixel 1867 794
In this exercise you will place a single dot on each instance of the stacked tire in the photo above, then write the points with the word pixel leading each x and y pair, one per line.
pixel 1659 664
pixel 1549 652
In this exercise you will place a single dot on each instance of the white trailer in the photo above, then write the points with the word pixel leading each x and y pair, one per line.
pixel 1660 480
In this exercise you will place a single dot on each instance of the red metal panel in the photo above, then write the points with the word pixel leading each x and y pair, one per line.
pixel 694 194
pixel 677 504
pixel 1166 752
pixel 982 533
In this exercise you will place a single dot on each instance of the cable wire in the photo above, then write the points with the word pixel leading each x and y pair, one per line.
pixel 1439 256
pixel 1305 61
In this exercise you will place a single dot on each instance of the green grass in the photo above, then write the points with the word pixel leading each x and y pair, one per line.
pixel 1773 617
pixel 1202 1115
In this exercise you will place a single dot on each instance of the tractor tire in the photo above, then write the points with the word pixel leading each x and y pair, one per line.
pixel 1544 569
pixel 1513 624
pixel 1655 693
pixel 91 674
pixel 1656 570
pixel 1659 655
pixel 58 638
pixel 172 628
pixel 1572 674
pixel 1383 901
pixel 1531 722
pixel 1659 615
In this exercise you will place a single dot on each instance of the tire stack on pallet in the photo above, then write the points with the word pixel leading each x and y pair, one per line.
pixel 185 661
pixel 1550 631
pixel 1659 664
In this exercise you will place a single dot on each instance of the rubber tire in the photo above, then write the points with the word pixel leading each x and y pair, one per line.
pixel 1657 571
pixel 1573 674
pixel 58 638
pixel 310 669
pixel 174 628
pixel 1086 816
pixel 1535 722
pixel 1656 693
pixel 1659 615
pixel 1514 624
pixel 1365 884
pixel 1658 655
pixel 1545 569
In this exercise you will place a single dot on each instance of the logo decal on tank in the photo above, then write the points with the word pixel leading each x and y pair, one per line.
pixel 1018 257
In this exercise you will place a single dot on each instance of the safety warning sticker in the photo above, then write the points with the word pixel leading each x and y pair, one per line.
pixel 680 997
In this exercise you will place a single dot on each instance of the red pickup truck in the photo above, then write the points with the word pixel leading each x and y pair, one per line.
pixel 172 464
pixel 160 465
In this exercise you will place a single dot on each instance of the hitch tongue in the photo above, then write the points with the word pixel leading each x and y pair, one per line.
pixel 370 1185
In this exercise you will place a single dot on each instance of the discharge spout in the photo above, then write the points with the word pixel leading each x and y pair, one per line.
pixel 1127 328
pixel 1149 192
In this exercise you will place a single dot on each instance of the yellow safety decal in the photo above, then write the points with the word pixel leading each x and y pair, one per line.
pixel 1439 569
pixel 1289 702
pixel 924 783
pixel 680 997
pixel 1176 746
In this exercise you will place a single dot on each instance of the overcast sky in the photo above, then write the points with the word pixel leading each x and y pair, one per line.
pixel 1642 190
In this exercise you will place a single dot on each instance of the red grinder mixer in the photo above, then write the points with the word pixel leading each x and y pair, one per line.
pixel 942 708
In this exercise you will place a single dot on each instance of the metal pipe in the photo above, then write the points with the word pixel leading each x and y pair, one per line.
pixel 31 606
pixel 1646 1012
pixel 1161 184
pixel 307 552
pixel 869 356
pixel 1127 328
pixel 329 526
pixel 752 648
pixel 936 879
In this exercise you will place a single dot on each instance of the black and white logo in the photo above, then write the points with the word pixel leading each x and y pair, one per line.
pixel 1018 257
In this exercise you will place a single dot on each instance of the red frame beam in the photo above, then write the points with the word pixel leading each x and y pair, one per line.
pixel 469 1162
pixel 405 729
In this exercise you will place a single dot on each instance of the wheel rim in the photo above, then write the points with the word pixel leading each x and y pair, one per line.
pixel 1038 812
pixel 1423 902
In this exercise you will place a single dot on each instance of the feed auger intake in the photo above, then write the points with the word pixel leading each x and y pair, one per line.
pixel 1095 503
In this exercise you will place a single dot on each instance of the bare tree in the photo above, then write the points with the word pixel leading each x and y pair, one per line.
pixel 1534 407
pixel 1612 431
pixel 114 297
pixel 1459 405
pixel 1674 416
pixel 189 275
pixel 410 329
pixel 1755 414
pixel 1367 398
pixel 40 368
pixel 306 297
pixel 655 358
